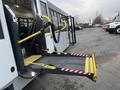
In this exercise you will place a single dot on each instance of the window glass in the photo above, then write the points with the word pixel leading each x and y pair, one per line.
pixel 1 32
pixel 50 13
pixel 59 19
pixel 43 8
pixel 54 17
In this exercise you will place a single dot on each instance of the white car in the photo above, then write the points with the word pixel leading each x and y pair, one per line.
pixel 113 27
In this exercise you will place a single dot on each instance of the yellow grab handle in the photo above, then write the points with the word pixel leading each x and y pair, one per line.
pixel 62 20
pixel 37 33
pixel 65 24
pixel 29 37
pixel 47 18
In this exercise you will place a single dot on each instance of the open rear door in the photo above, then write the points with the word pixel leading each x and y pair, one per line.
pixel 8 70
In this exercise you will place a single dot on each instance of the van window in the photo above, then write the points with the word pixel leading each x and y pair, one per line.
pixel 43 8
pixel 1 32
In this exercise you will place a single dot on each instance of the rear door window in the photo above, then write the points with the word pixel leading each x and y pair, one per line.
pixel 1 32
pixel 43 8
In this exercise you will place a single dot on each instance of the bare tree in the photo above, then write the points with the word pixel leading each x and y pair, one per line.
pixel 98 20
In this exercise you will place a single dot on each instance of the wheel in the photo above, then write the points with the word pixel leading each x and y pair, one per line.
pixel 118 30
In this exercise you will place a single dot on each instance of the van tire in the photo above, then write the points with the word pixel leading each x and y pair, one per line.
pixel 117 30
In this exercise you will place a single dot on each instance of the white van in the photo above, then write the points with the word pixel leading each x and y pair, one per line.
pixel 114 27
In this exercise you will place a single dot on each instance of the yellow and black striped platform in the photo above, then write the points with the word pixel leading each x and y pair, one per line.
pixel 80 66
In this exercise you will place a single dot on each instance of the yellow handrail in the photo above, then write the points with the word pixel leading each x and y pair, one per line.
pixel 47 18
pixel 65 25
pixel 29 37
pixel 37 33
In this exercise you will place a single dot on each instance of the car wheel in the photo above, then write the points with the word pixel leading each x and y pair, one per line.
pixel 118 30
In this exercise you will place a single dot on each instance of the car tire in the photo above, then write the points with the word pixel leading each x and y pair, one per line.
pixel 117 30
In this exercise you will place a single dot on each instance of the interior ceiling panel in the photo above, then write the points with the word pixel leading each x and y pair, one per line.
pixel 23 11
pixel 25 3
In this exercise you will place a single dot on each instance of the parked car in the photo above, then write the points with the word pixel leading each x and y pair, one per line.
pixel 113 27
pixel 78 28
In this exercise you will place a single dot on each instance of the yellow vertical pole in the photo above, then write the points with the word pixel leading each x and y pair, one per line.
pixel 87 64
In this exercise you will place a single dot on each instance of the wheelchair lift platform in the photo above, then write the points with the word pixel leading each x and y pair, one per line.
pixel 64 63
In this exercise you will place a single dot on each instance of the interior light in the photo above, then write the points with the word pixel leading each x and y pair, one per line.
pixel 33 73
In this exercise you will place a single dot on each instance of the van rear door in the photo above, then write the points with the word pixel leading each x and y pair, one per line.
pixel 8 70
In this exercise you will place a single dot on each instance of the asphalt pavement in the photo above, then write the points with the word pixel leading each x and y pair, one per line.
pixel 107 50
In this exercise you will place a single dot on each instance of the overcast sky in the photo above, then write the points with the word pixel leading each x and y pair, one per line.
pixel 88 9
